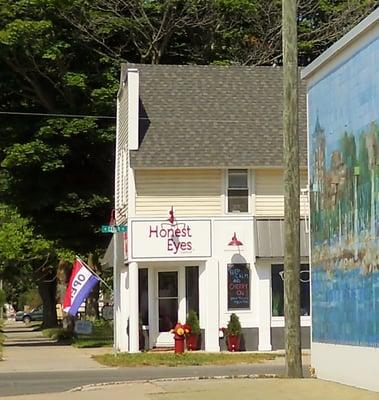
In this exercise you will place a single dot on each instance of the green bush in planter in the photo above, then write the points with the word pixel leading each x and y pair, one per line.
pixel 193 322
pixel 234 325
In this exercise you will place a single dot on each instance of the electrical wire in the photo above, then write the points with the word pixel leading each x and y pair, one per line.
pixel 32 114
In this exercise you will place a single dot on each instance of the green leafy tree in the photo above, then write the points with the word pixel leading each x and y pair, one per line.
pixel 24 259
pixel 56 171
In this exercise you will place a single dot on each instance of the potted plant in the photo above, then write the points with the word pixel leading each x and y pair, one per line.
pixel 192 338
pixel 233 333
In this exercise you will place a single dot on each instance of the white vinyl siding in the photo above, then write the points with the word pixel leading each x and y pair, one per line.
pixel 190 192
pixel 269 189
pixel 121 195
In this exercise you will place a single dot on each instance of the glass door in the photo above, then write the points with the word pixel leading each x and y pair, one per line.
pixel 168 304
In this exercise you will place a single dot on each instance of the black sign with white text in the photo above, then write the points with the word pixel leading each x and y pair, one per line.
pixel 238 286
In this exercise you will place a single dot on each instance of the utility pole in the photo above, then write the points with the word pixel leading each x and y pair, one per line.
pixel 291 192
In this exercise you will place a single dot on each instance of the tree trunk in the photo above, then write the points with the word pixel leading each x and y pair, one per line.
pixel 92 301
pixel 291 193
pixel 47 286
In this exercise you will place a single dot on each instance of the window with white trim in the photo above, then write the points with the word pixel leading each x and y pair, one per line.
pixel 238 191
pixel 277 287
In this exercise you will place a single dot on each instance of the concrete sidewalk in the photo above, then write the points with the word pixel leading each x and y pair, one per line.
pixel 27 350
pixel 214 389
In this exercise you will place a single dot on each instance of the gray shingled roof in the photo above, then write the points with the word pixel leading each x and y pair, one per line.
pixel 212 116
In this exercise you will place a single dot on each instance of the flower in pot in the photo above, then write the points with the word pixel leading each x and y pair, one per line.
pixel 233 333
pixel 192 338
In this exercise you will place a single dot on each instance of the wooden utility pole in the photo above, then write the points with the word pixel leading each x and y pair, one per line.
pixel 291 192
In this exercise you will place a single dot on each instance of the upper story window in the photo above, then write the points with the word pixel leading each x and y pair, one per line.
pixel 238 190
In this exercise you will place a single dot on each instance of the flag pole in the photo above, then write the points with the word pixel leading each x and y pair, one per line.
pixel 93 272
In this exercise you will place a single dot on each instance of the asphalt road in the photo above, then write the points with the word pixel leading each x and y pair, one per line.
pixel 21 383
pixel 34 364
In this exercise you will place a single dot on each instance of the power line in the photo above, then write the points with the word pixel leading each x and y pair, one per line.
pixel 56 115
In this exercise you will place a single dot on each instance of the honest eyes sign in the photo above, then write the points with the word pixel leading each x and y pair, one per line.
pixel 161 239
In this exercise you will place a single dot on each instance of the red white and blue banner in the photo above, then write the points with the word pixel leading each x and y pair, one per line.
pixel 82 281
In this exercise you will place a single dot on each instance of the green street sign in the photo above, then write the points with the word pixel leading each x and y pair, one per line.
pixel 114 228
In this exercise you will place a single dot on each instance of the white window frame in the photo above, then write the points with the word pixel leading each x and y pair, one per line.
pixel 226 192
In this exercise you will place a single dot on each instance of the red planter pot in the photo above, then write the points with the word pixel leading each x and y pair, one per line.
pixel 233 342
pixel 192 342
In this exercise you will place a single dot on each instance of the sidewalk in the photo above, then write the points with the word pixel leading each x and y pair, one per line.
pixel 212 389
pixel 27 350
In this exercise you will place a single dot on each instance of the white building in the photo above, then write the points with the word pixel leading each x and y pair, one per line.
pixel 198 162
pixel 343 114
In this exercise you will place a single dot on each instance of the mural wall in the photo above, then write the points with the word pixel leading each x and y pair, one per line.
pixel 344 175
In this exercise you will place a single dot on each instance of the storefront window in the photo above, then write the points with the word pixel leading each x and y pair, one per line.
pixel 278 290
pixel 238 190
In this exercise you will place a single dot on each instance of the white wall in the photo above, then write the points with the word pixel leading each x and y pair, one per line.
pixel 223 232
pixel 195 192
pixel 355 365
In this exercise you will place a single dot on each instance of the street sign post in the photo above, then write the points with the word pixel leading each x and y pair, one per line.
pixel 114 228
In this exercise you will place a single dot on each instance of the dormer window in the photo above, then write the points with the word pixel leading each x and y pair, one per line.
pixel 238 191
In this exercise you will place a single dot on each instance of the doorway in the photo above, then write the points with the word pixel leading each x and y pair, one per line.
pixel 168 304
pixel 176 292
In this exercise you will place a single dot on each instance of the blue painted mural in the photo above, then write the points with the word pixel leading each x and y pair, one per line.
pixel 344 178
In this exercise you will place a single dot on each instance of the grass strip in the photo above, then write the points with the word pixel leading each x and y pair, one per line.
pixel 185 359
pixel 101 336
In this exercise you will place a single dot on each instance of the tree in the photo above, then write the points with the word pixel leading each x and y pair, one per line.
pixel 57 171
pixel 25 257
pixel 92 301
pixel 198 31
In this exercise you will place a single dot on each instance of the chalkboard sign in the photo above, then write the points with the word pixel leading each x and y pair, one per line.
pixel 238 286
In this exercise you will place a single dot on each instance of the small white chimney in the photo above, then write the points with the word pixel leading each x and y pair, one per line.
pixel 133 108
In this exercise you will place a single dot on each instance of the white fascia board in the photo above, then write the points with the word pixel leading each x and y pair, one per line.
pixel 341 44
pixel 123 78
pixel 133 108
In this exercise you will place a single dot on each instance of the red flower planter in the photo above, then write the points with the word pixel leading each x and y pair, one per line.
pixel 192 341
pixel 233 342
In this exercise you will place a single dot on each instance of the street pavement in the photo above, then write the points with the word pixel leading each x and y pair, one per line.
pixel 37 368
pixel 211 389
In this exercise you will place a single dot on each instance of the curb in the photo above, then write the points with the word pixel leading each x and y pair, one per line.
pixel 189 378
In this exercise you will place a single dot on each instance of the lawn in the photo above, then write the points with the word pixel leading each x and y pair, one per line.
pixel 185 359
pixel 101 336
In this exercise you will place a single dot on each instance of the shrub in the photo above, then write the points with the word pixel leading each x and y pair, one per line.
pixel 234 325
pixel 193 322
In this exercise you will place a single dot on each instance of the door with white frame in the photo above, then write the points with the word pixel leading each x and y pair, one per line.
pixel 170 304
